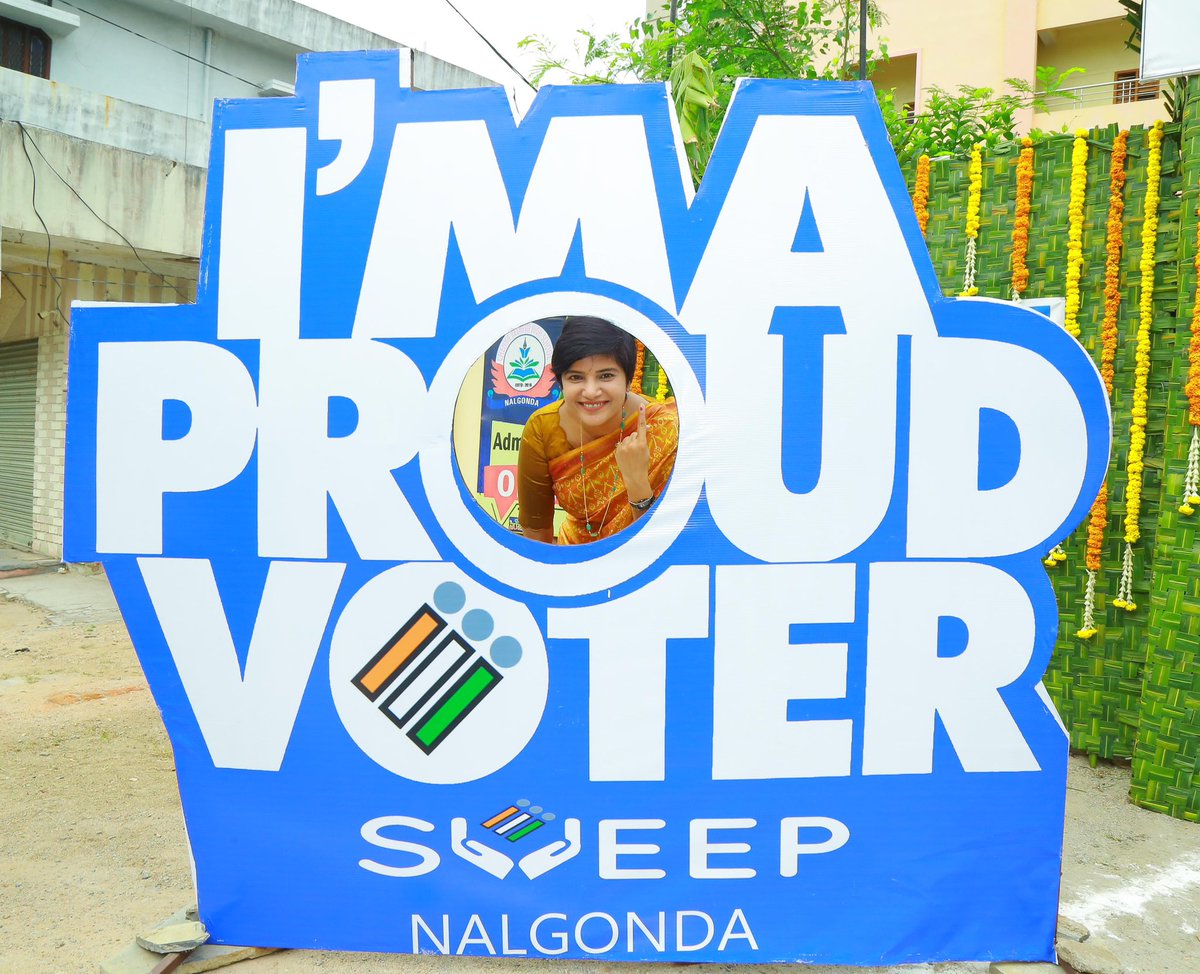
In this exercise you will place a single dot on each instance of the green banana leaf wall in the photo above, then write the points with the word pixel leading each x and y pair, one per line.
pixel 1132 691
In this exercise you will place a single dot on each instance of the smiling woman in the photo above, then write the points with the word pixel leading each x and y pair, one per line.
pixel 603 451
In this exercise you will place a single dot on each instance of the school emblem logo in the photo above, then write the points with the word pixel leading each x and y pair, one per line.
pixel 522 363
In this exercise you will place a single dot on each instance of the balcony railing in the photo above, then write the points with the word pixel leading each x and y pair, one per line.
pixel 1122 91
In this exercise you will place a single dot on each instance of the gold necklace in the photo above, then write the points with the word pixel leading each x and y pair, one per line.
pixel 583 478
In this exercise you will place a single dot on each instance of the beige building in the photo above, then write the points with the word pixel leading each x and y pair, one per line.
pixel 983 42
pixel 104 132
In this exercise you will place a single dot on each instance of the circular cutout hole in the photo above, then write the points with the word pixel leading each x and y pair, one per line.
pixel 565 459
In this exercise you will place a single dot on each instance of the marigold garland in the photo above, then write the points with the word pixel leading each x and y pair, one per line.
pixel 1079 156
pixel 635 384
pixel 1134 465
pixel 1020 234
pixel 974 191
pixel 1112 262
pixel 1095 548
pixel 921 193
pixel 660 393
pixel 1191 482
pixel 1108 337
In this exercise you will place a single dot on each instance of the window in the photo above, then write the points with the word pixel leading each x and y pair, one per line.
pixel 1127 88
pixel 24 49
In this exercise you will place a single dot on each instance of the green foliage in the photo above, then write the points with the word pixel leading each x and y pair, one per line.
pixel 712 44
pixel 715 42
pixel 1175 91
pixel 952 122
pixel 1133 17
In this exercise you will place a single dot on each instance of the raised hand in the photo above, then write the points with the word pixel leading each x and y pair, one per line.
pixel 553 853
pixel 476 853
pixel 633 460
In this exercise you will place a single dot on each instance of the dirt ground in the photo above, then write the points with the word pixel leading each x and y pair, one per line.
pixel 92 847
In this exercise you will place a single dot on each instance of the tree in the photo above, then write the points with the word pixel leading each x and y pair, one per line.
pixel 951 123
pixel 1176 92
pixel 711 44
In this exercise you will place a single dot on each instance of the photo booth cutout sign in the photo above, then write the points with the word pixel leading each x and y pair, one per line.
pixel 793 714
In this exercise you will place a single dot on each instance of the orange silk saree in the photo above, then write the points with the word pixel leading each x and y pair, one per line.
pixel 598 479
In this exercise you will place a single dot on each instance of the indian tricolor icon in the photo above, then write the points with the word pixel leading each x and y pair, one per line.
pixel 513 823
pixel 428 679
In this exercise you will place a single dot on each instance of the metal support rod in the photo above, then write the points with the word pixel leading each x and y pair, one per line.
pixel 862 40
pixel 674 20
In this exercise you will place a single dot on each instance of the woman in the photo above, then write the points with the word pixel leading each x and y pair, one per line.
pixel 605 452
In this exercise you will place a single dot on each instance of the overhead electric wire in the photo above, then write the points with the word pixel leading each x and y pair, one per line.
pixel 14 283
pixel 512 67
pixel 77 280
pixel 37 213
pixel 91 210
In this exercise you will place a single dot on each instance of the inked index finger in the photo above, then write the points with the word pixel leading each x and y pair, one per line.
pixel 642 418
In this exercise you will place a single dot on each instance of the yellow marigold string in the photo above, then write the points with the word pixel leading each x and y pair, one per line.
pixel 660 393
pixel 1079 156
pixel 1191 481
pixel 1108 335
pixel 1135 464
pixel 1020 233
pixel 974 191
pixel 921 193
pixel 635 384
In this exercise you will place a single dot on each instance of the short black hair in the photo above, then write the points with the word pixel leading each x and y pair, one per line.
pixel 584 336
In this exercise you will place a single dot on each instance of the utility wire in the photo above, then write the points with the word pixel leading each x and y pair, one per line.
pixel 14 283
pixel 511 66
pixel 33 189
pixel 183 54
pixel 76 280
pixel 26 134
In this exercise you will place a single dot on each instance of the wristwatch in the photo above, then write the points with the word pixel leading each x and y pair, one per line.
pixel 642 505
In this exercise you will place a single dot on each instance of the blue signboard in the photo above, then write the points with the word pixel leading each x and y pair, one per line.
pixel 793 713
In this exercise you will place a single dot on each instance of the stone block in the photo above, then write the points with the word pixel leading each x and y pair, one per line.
pixel 1069 929
pixel 1089 958
pixel 1023 967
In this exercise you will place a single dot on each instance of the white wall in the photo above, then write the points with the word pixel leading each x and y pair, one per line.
pixel 103 58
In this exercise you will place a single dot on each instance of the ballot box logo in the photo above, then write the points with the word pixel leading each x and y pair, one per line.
pixel 518 820
pixel 452 693
pixel 522 363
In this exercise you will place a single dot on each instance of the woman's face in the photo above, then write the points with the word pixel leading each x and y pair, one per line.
pixel 595 388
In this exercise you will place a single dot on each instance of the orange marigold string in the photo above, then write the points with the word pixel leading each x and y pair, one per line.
pixel 921 193
pixel 1020 234
pixel 1112 263
pixel 635 384
pixel 1108 336
pixel 1191 481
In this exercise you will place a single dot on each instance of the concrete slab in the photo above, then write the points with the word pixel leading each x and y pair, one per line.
pixel 18 561
pixel 67 597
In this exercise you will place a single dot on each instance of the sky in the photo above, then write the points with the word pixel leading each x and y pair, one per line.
pixel 432 26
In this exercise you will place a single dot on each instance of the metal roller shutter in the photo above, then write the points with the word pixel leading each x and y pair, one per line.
pixel 18 400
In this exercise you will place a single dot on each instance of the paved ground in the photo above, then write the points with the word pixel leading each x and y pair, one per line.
pixel 94 850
